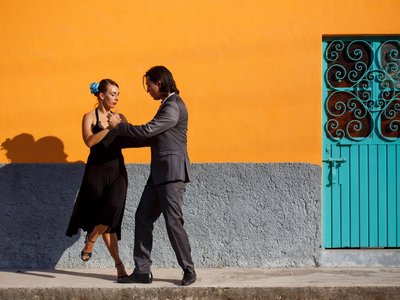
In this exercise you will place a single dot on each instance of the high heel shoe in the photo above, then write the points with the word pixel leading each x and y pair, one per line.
pixel 121 279
pixel 85 256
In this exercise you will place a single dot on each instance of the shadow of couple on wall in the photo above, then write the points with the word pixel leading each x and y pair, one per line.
pixel 38 188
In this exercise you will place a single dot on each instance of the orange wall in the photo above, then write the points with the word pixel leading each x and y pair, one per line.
pixel 249 71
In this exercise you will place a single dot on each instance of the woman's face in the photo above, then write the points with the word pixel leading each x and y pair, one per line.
pixel 153 89
pixel 110 97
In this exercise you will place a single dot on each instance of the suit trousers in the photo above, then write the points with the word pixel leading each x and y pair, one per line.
pixel 167 199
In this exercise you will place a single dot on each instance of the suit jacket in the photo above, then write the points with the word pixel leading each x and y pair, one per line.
pixel 166 134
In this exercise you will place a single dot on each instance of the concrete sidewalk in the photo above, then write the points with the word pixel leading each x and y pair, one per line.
pixel 213 283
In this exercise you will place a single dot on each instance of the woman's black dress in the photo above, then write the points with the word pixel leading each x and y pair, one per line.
pixel 102 195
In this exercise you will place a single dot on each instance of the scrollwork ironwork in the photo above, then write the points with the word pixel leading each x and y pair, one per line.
pixel 348 116
pixel 363 85
pixel 347 62
pixel 390 119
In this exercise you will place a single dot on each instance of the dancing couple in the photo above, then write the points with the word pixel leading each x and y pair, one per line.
pixel 100 203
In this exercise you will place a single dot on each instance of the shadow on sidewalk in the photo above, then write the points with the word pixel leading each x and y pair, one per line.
pixel 80 273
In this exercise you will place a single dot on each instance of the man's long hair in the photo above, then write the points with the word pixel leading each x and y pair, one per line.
pixel 162 74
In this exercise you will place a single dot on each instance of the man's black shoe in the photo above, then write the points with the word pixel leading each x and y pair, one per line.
pixel 188 278
pixel 122 279
pixel 137 278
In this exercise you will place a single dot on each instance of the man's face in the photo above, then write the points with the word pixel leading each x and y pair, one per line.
pixel 153 88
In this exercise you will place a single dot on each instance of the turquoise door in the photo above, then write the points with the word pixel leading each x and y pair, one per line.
pixel 361 145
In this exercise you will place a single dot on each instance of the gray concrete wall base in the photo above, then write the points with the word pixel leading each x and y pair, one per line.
pixel 236 215
pixel 360 258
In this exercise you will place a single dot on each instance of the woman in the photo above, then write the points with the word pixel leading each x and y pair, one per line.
pixel 100 204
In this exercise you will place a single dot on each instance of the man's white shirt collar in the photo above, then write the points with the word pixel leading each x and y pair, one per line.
pixel 167 97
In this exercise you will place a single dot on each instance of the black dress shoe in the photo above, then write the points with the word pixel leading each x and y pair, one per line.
pixel 188 278
pixel 137 278
pixel 123 279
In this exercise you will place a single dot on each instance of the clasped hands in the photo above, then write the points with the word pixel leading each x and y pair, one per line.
pixel 113 119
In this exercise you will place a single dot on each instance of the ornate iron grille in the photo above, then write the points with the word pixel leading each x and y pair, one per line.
pixel 363 90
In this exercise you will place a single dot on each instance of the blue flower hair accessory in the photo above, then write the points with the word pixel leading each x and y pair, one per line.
pixel 94 88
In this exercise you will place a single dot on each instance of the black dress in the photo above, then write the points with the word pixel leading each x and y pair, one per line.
pixel 102 195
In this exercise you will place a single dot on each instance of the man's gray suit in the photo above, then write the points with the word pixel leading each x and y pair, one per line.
pixel 166 134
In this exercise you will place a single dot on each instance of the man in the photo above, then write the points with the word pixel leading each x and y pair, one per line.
pixel 166 134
